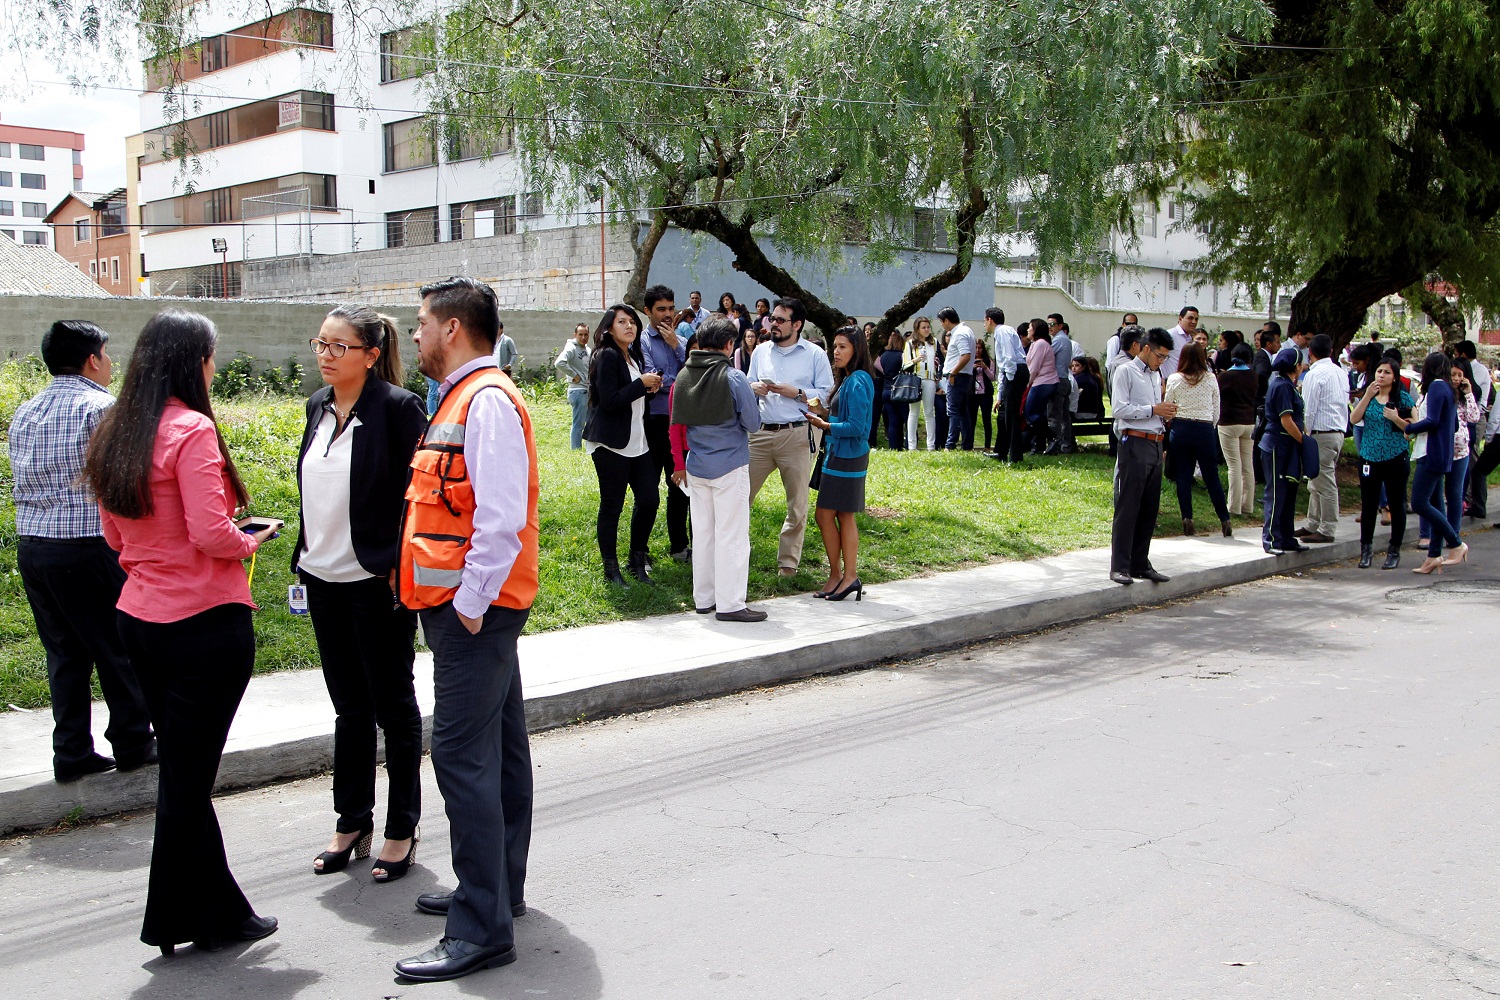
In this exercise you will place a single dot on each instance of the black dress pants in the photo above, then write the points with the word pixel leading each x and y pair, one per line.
pixel 1013 392
pixel 73 586
pixel 366 645
pixel 482 758
pixel 193 673
pixel 980 406
pixel 1137 501
pixel 960 428
pixel 1391 475
pixel 895 421
pixel 1280 502
pixel 1195 444
pixel 640 474
pixel 660 443
pixel 1480 469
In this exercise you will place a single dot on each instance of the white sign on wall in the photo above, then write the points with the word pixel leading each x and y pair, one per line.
pixel 290 113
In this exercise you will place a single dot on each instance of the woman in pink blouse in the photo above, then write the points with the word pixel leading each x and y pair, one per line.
pixel 168 492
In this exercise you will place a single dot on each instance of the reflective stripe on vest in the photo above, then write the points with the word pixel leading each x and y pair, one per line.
pixel 426 576
pixel 449 434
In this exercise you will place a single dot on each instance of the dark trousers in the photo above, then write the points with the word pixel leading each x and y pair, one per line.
pixel 1435 499
pixel 940 413
pixel 366 645
pixel 193 673
pixel 482 759
pixel 1195 444
pixel 73 586
pixel 1279 503
pixel 1012 391
pixel 980 405
pixel 1038 400
pixel 960 391
pixel 1137 500
pixel 895 422
pixel 1255 436
pixel 640 474
pixel 657 427
pixel 882 389
pixel 1479 486
pixel 1389 476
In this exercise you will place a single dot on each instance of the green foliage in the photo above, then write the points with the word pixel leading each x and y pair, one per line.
pixel 245 376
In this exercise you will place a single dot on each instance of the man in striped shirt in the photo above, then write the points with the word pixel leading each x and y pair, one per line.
pixel 71 575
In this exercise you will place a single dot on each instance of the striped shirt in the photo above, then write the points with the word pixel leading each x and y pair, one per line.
pixel 48 438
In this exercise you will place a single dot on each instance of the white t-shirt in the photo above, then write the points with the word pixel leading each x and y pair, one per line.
pixel 637 443
pixel 328 547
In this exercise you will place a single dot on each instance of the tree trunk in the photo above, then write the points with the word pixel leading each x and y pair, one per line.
pixel 1448 317
pixel 750 259
pixel 645 250
pixel 1338 294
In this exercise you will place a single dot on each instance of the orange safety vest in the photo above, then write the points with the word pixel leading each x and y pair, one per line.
pixel 439 519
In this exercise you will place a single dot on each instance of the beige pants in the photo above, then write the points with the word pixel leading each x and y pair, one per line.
pixel 785 451
pixel 1237 441
pixel 1323 492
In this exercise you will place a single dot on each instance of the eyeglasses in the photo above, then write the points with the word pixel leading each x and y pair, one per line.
pixel 334 349
pixel 780 319
pixel 1161 355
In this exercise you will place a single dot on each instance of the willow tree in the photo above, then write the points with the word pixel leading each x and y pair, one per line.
pixel 1358 151
pixel 829 124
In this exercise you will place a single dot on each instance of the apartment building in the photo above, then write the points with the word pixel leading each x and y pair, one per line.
pixel 37 167
pixel 89 230
pixel 305 135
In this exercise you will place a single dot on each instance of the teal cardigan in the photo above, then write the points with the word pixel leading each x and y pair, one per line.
pixel 849 423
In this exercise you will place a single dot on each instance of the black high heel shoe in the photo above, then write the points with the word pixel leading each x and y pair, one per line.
pixel 392 870
pixel 337 861
pixel 857 588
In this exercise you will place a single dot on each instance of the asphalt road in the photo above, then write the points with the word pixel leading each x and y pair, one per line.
pixel 1288 789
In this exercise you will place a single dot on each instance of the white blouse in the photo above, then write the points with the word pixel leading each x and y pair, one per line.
pixel 637 444
pixel 328 547
pixel 1194 402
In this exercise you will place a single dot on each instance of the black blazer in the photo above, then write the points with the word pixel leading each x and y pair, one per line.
pixel 391 420
pixel 611 391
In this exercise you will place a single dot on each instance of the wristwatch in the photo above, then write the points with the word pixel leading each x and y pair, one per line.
pixel 801 396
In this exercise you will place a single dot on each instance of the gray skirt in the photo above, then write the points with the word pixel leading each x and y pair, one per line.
pixel 844 493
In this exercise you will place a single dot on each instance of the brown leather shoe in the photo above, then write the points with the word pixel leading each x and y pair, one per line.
pixel 1318 538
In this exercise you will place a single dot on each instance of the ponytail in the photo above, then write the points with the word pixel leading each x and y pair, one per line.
pixel 377 332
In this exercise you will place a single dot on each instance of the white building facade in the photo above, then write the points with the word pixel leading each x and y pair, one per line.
pixel 303 134
pixel 39 167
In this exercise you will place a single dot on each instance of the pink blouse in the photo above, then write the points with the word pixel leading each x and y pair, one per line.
pixel 184 557
pixel 1042 363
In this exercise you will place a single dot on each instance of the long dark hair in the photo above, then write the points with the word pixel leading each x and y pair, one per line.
pixel 861 360
pixel 1437 368
pixel 1463 365
pixel 376 332
pixel 605 341
pixel 1039 331
pixel 167 363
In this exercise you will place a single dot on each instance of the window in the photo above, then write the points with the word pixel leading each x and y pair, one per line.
pixel 93 269
pixel 1147 214
pixel 409 144
pixel 30 152
pixel 77 157
pixel 409 229
pixel 34 239
pixel 462 218
pixel 34 182
pixel 214 54
pixel 531 205
pixel 464 145
pixel 505 216
pixel 1172 211
pixel 7 208
pixel 112 219
pixel 400 57
pixel 9 232
pixel 296 27
pixel 81 231
pixel 33 210
pixel 1174 281
pixel 5 150
pixel 299 109
pixel 223 204
pixel 930 229
pixel 78 184
pixel 6 180
pixel 114 270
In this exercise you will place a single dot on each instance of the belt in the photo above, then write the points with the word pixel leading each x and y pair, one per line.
pixel 87 540
pixel 1190 420
pixel 782 427
pixel 1144 434
pixel 1337 431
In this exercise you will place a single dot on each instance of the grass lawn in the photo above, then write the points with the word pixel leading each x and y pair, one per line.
pixel 926 512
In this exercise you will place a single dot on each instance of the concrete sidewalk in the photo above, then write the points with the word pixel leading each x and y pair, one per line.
pixel 284 728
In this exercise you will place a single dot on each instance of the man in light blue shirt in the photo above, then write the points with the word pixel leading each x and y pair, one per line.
pixel 1140 415
pixel 665 352
pixel 573 368
pixel 786 374
pixel 1058 418
pixel 506 353
pixel 1014 376
pixel 714 402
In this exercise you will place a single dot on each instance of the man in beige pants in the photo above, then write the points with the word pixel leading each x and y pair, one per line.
pixel 785 374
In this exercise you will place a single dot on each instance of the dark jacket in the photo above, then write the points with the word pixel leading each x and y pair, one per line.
pixel 611 391
pixel 1237 396
pixel 1440 425
pixel 390 422
pixel 1261 365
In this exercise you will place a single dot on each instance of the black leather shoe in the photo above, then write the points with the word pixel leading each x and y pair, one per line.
pixel 94 763
pixel 252 929
pixel 1149 573
pixel 1122 578
pixel 436 903
pixel 742 615
pixel 708 610
pixel 452 959
pixel 132 761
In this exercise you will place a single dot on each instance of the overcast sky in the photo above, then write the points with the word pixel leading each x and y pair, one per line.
pixel 105 117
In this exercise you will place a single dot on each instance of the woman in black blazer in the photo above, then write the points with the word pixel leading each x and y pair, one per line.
pixel 615 438
pixel 362 429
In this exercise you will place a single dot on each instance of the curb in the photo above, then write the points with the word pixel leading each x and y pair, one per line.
pixel 34 802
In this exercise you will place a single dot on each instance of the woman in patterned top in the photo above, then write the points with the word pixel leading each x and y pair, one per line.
pixel 1192 439
pixel 1383 461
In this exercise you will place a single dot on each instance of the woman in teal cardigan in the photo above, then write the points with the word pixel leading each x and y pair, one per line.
pixel 841 494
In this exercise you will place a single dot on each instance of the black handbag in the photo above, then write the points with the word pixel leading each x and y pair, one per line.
pixel 906 388
pixel 816 479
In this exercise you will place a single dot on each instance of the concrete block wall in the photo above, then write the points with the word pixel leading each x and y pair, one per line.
pixel 1092 326
pixel 268 331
